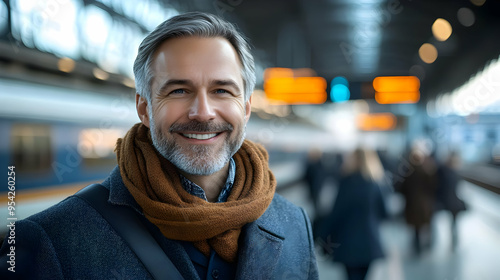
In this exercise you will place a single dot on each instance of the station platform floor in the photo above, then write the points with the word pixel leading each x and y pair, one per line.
pixel 477 256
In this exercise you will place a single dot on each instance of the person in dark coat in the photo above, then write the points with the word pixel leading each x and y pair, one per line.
pixel 353 222
pixel 446 194
pixel 419 191
pixel 314 176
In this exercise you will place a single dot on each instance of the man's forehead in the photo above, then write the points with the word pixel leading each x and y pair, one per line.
pixel 189 47
pixel 185 57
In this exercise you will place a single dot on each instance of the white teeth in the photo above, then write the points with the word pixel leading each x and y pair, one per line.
pixel 200 136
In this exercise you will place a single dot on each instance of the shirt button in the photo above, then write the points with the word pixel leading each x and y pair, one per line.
pixel 215 274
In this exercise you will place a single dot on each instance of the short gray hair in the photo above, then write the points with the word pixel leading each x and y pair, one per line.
pixel 185 25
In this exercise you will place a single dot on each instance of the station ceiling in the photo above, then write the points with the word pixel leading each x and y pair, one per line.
pixel 368 38
pixel 357 39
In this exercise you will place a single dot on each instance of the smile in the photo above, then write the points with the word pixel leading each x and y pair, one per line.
pixel 199 136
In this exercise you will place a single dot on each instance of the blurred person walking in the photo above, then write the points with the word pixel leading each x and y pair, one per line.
pixel 446 194
pixel 314 176
pixel 419 191
pixel 359 207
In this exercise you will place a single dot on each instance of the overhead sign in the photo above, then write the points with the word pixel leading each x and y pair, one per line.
pixel 294 86
pixel 376 122
pixel 397 89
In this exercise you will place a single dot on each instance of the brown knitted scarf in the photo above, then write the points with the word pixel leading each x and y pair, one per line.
pixel 155 184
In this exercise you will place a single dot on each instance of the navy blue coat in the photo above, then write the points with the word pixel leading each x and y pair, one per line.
pixel 351 229
pixel 446 194
pixel 72 241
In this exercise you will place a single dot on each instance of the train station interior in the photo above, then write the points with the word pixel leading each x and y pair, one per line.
pixel 413 84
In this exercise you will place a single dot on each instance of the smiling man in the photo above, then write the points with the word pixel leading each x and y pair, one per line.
pixel 203 193
pixel 198 110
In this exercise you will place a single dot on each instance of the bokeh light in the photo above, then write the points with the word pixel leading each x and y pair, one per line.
pixel 339 91
pixel 100 74
pixel 441 29
pixel 428 53
pixel 478 2
pixel 66 64
pixel 466 17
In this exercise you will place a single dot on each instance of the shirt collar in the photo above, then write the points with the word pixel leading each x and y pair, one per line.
pixel 196 190
pixel 119 195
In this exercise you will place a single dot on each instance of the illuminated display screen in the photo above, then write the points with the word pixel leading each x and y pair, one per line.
pixel 376 121
pixel 396 89
pixel 294 86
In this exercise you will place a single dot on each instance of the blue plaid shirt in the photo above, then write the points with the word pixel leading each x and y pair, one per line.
pixel 196 190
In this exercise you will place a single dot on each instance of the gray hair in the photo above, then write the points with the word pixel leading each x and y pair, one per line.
pixel 185 25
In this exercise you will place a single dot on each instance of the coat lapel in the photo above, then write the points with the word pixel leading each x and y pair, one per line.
pixel 261 243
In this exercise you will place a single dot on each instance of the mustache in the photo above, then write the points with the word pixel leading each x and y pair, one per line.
pixel 197 126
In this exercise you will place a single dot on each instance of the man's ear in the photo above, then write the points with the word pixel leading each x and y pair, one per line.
pixel 248 109
pixel 141 106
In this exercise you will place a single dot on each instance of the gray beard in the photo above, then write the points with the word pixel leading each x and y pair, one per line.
pixel 197 159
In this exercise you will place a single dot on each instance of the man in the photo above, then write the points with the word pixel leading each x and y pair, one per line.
pixel 205 194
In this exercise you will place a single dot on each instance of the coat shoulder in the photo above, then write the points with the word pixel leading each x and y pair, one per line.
pixel 285 211
pixel 282 204
pixel 283 217
pixel 66 209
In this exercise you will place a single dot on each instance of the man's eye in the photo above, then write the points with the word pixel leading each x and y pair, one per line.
pixel 221 91
pixel 177 91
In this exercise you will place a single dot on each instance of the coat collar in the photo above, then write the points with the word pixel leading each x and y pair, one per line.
pixel 118 193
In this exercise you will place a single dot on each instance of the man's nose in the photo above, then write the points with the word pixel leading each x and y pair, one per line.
pixel 201 108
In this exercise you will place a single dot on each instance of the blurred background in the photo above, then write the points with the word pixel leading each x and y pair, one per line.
pixel 386 111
